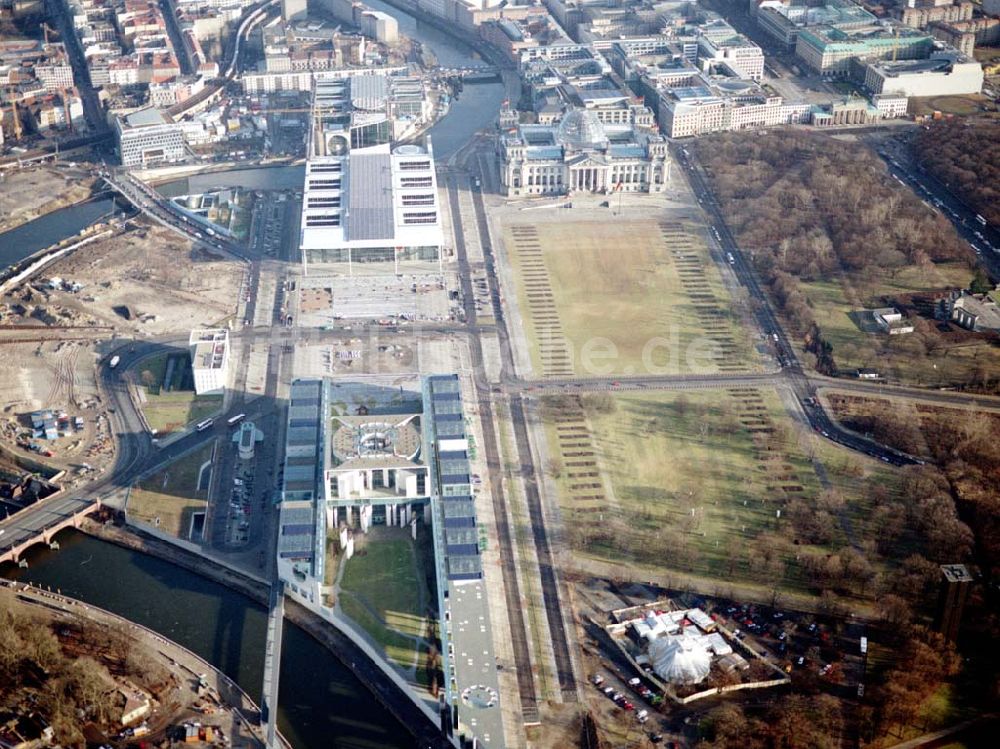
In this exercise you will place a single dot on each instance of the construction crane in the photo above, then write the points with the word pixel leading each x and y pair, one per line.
pixel 67 110
pixel 18 132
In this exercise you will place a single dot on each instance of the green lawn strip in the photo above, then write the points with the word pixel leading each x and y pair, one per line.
pixel 170 412
pixel 381 591
pixel 172 494
pixel 157 367
pixel 384 574
pixel 399 649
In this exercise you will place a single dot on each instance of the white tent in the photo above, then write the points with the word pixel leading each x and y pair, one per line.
pixel 679 660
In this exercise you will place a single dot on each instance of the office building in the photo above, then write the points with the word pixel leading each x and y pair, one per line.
pixel 944 73
pixel 210 360
pixel 148 138
pixel 293 10
pixel 710 105
pixel 831 52
pixel 782 21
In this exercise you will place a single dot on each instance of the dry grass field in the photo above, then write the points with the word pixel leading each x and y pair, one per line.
pixel 622 299
pixel 694 482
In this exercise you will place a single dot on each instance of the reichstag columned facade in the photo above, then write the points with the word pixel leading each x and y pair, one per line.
pixel 580 154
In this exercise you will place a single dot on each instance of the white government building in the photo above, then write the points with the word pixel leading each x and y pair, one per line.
pixel 580 154
pixel 365 200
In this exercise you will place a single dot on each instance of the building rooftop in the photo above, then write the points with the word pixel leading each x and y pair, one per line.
pixel 146 117
pixel 956 573
pixel 209 348
pixel 370 197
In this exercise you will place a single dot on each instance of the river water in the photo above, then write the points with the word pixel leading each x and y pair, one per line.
pixel 27 239
pixel 321 704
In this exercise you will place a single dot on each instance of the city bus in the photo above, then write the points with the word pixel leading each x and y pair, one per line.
pixel 203 425
pixel 236 419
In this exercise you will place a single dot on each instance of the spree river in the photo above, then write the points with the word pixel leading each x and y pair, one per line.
pixel 321 705
pixel 27 239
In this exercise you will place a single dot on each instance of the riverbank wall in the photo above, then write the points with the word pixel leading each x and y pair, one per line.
pixel 399 704
pixel 29 267
pixel 176 658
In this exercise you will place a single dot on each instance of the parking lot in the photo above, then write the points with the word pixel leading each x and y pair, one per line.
pixel 241 501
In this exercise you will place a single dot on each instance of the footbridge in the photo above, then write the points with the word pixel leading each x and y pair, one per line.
pixel 41 525
pixel 471 73
pixel 272 664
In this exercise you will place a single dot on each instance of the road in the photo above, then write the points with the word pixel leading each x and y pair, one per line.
pixel 549 578
pixel 767 320
pixel 164 211
pixel 93 110
pixel 983 238
pixel 512 591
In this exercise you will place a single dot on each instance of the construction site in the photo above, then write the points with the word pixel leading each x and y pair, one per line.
pixel 30 193
pixel 177 286
pixel 139 281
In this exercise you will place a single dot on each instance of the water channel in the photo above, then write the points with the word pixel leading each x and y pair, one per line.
pixel 27 239
pixel 322 705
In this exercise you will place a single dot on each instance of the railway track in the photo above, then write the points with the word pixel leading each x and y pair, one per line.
pixel 60 339
pixel 546 569
pixel 549 579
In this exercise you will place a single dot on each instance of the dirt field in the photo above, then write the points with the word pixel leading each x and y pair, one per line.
pixel 168 499
pixel 624 298
pixel 29 193
pixel 957 105
pixel 60 376
pixel 165 284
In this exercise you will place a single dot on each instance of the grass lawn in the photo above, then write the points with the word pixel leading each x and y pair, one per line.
pixel 959 105
pixel 694 482
pixel 951 357
pixel 167 499
pixel 631 289
pixel 383 590
pixel 170 407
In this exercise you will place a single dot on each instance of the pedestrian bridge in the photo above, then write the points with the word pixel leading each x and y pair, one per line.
pixel 471 73
pixel 272 664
